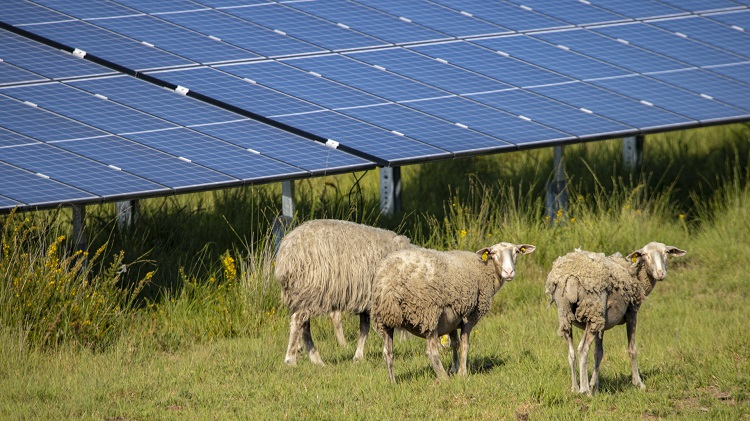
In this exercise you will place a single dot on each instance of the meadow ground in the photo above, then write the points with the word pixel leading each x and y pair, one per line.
pixel 194 328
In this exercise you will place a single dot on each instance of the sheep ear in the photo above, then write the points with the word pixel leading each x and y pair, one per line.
pixel 634 256
pixel 674 251
pixel 484 254
pixel 525 248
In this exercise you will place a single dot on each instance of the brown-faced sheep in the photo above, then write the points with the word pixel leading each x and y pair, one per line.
pixel 431 293
pixel 595 293
pixel 327 266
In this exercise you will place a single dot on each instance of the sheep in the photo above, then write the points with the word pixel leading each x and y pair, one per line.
pixel 595 293
pixel 431 293
pixel 326 266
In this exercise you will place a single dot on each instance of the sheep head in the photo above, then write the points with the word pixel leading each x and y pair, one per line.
pixel 654 256
pixel 503 257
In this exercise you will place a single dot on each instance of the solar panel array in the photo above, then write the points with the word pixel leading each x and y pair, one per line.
pixel 283 90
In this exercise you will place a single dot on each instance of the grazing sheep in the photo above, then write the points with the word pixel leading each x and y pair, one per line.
pixel 431 293
pixel 326 266
pixel 596 293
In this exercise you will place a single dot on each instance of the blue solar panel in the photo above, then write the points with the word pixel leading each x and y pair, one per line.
pixel 44 60
pixel 700 5
pixel 703 82
pixel 303 85
pixel 507 15
pixel 673 99
pixel 712 33
pixel 215 154
pixel 11 74
pixel 488 120
pixel 364 137
pixel 638 9
pixel 611 51
pixel 668 44
pixel 154 100
pixel 230 3
pixel 7 203
pixel 237 92
pixel 275 143
pixel 369 21
pixel 175 39
pixel 306 27
pixel 37 123
pixel 146 162
pixel 553 58
pixel 739 72
pixel 427 70
pixel 739 19
pixel 86 9
pixel 102 43
pixel 489 63
pixel 425 128
pixel 28 188
pixel 9 138
pixel 75 170
pixel 21 12
pixel 366 78
pixel 89 109
pixel 573 12
pixel 436 17
pixel 618 108
pixel 551 113
pixel 241 33
pixel 161 6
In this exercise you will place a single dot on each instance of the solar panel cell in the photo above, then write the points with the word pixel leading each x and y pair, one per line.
pixel 638 9
pixel 739 72
pixel 507 15
pixel 87 9
pixel 700 5
pixel 715 86
pixel 9 138
pixel 573 12
pixel 161 6
pixel 712 33
pixel 31 189
pixel 10 74
pixel 20 12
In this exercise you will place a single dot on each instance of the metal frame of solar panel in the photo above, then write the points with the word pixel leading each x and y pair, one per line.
pixel 397 82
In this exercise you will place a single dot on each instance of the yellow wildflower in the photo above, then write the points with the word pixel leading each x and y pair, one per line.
pixel 463 233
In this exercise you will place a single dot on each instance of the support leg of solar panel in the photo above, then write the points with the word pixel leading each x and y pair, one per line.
pixel 390 191
pixel 127 213
pixel 557 193
pixel 80 242
pixel 288 208
pixel 632 153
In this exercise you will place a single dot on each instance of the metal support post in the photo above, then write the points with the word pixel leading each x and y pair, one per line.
pixel 127 214
pixel 80 242
pixel 632 153
pixel 390 191
pixel 557 192
pixel 288 208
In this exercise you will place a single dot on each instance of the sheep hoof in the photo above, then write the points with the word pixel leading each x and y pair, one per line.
pixel 291 362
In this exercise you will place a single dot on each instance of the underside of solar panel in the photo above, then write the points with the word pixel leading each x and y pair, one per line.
pixel 104 100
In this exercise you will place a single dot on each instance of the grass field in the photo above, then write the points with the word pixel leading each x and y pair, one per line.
pixel 194 328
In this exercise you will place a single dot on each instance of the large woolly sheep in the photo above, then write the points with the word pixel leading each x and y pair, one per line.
pixel 326 266
pixel 431 293
pixel 595 293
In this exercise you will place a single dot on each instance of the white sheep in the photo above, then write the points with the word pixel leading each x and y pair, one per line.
pixel 595 293
pixel 324 267
pixel 431 293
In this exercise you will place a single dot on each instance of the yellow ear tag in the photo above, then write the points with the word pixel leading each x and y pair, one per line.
pixel 634 259
pixel 523 249
pixel 484 255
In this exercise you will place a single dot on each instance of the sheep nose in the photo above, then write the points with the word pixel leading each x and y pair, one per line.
pixel 660 274
pixel 508 274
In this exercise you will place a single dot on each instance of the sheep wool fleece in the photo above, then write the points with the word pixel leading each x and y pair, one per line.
pixel 412 287
pixel 327 265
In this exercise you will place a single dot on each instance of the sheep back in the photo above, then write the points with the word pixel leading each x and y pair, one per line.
pixel 412 287
pixel 579 279
pixel 328 265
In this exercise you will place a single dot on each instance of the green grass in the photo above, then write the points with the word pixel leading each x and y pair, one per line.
pixel 195 329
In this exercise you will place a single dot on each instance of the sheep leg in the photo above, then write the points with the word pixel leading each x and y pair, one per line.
pixel 568 336
pixel 630 322
pixel 295 326
pixel 309 344
pixel 433 354
pixel 465 333
pixel 364 329
pixel 338 329
pixel 598 354
pixel 454 346
pixel 387 334
pixel 583 358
